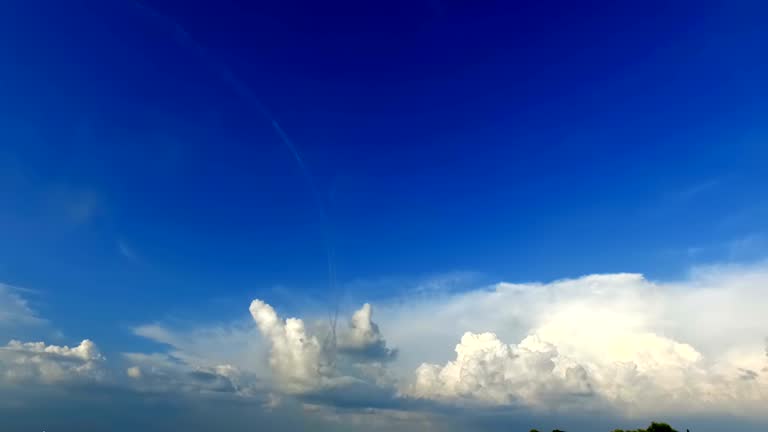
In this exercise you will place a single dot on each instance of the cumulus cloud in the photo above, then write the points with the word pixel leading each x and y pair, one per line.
pixel 304 364
pixel 302 361
pixel 297 359
pixel 363 339
pixel 38 362
pixel 616 342
pixel 486 370
pixel 14 309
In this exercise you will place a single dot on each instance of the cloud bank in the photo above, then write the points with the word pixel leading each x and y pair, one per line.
pixel 615 342
pixel 611 345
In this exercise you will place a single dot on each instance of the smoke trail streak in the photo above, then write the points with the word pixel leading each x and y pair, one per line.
pixel 245 93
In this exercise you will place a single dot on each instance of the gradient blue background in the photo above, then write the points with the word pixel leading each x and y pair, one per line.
pixel 508 141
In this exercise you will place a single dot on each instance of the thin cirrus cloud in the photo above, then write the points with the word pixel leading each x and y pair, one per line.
pixel 126 251
pixel 15 309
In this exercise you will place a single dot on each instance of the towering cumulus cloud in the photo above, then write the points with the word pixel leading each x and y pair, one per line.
pixel 363 339
pixel 301 364
pixel 296 359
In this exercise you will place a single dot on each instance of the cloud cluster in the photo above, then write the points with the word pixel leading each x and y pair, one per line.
pixel 38 362
pixel 305 363
pixel 610 341
pixel 613 344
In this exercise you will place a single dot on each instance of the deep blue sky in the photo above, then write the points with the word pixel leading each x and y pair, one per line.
pixel 518 142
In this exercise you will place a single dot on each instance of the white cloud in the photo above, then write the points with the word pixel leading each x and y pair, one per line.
pixel 305 362
pixel 363 339
pixel 633 345
pixel 38 362
pixel 298 361
pixel 14 309
pixel 616 343
pixel 487 370
pixel 301 361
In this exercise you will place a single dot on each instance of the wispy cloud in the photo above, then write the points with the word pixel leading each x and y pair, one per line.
pixel 126 250
pixel 698 189
pixel 15 309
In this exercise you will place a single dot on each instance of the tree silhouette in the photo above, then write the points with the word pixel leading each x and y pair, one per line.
pixel 660 427
pixel 654 427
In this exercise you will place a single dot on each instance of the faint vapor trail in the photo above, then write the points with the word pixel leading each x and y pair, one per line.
pixel 247 95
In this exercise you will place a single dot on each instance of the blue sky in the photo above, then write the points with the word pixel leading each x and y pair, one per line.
pixel 142 179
